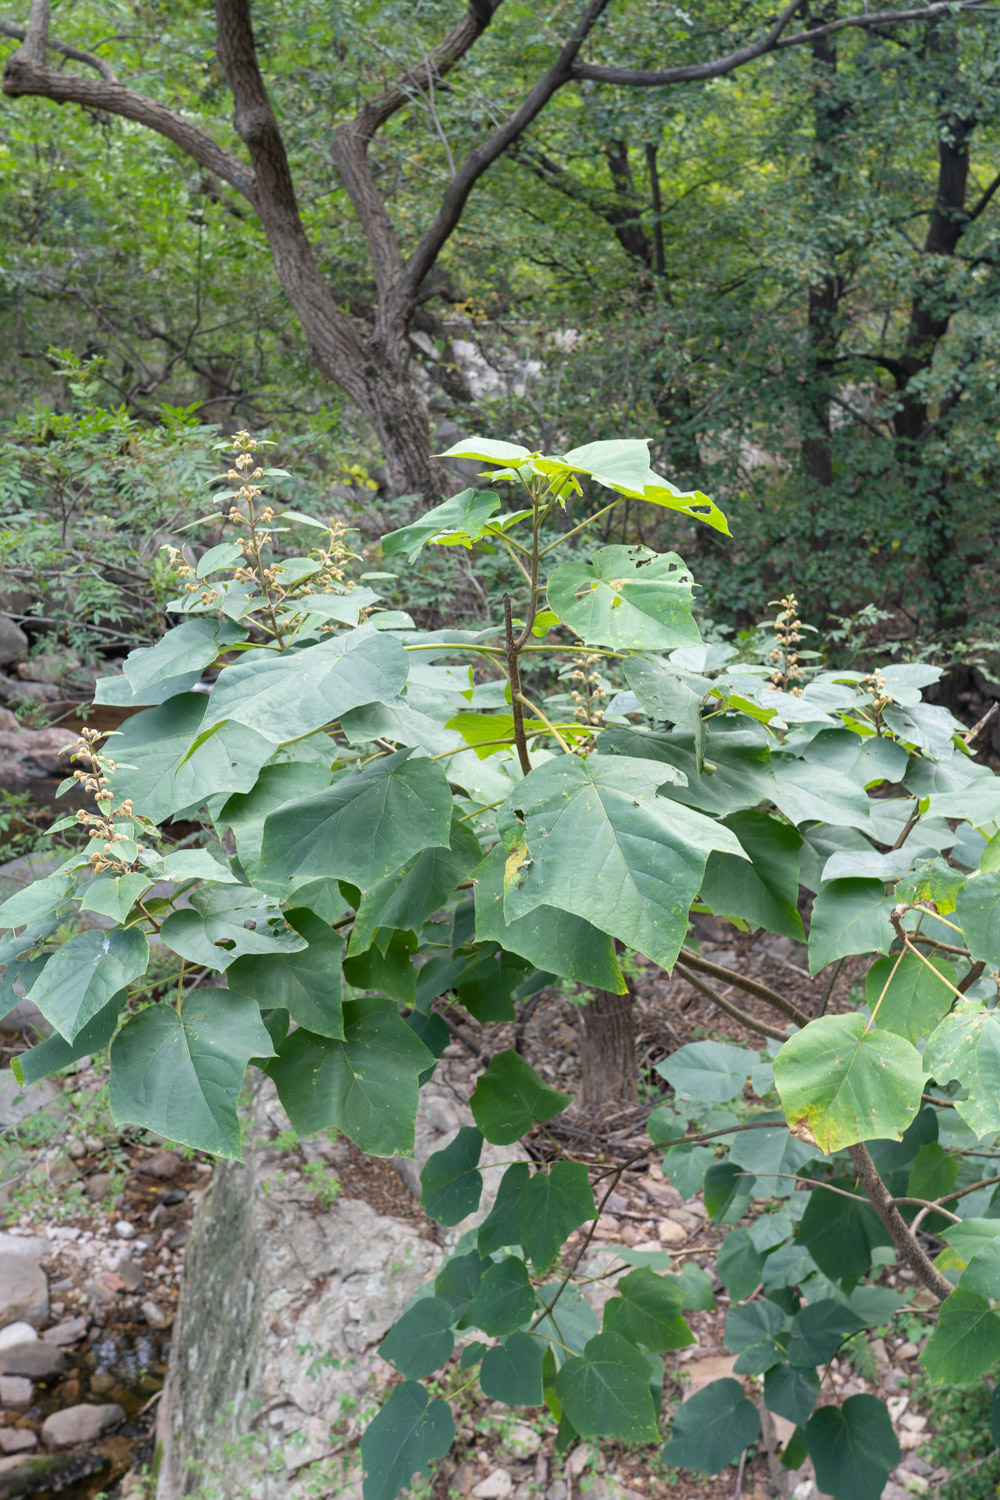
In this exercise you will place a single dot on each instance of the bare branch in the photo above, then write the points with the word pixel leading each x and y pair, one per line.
pixel 26 73
pixel 903 1238
pixel 479 161
pixel 19 34
pixel 775 41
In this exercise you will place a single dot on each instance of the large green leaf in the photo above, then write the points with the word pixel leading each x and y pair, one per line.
pixel 647 1311
pixel 154 767
pixel 502 1226
pixel 365 1085
pixel 505 1299
pixel 409 1434
pixel 422 1340
pixel 363 827
pixel 512 1372
pixel 451 1182
pixel 408 897
pixel 84 974
pixel 966 1047
pixel 552 1205
pixel 934 1173
pixel 982 1274
pixel 55 1052
pixel 665 694
pixel 306 983
pixel 840 1083
pixel 283 695
pixel 710 1072
pixel 465 514
pixel 557 942
pixel 819 1330
pixel 605 1391
pixel 598 841
pixel 774 1151
pixel 764 890
pixel 509 1097
pixel 245 813
pixel 739 1264
pixel 180 1073
pixel 915 1000
pixel 966 1342
pixel 849 916
pixel 224 922
pixel 791 1392
pixel 977 908
pixel 853 1448
pixel 188 647
pixel 841 1233
pixel 712 1428
pixel 626 598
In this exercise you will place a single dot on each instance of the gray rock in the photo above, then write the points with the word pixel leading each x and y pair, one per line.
pixel 16 1333
pixel 19 1104
pixel 155 1315
pixel 15 1390
pixel 17 1440
pixel 24 1291
pixel 24 1473
pixel 25 1017
pixel 69 1332
pixel 80 1424
pixel 162 1164
pixel 23 1244
pixel 39 1361
pixel 13 641
pixel 98 1185
pixel 269 1286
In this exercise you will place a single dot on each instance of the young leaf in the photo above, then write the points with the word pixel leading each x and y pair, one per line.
pixel 512 1371
pixel 764 892
pixel 966 1342
pixel 451 1182
pixel 553 1204
pixel 605 1391
pixel 464 515
pixel 966 1046
pixel 186 648
pixel 422 1340
pixel 409 1434
pixel 712 1428
pixel 853 1448
pixel 840 1083
pixel 365 1085
pixel 751 1324
pixel 509 1097
pixel 647 1311
pixel 738 1264
pixel 180 1074
pixel 977 909
pixel 55 1052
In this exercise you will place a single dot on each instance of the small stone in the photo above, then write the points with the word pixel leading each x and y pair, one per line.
pixel 907 1351
pixel 24 1291
pixel 37 1360
pixel 496 1486
pixel 69 1332
pixel 671 1233
pixel 578 1460
pixel 80 1424
pixel 68 1392
pixel 101 1382
pixel 124 1230
pixel 173 1197
pixel 99 1293
pixel 17 1440
pixel 17 1333
pixel 75 1148
pixel 131 1275
pixel 164 1164
pixel 523 1440
pixel 463 1479
pixel 98 1185
pixel 155 1316
pixel 15 1390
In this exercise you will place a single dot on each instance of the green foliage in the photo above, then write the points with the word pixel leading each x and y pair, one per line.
pixel 350 787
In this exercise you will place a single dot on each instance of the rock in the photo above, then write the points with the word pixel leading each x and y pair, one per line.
pixel 130 1274
pixel 50 666
pixel 99 1293
pixel 671 1233
pixel 17 1440
pixel 26 1473
pixel 24 1291
pixel 25 1017
pixel 69 1332
pixel 496 1486
pixel 101 1382
pixel 702 1372
pixel 164 1164
pixel 155 1315
pixel 907 1351
pixel 37 1360
pixel 17 1333
pixel 124 1230
pixel 80 1424
pixel 268 1285
pixel 75 1148
pixel 15 1390
pixel 523 1440
pixel 98 1185
pixel 13 641
pixel 18 1105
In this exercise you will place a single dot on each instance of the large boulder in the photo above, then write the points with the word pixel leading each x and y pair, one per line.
pixel 13 641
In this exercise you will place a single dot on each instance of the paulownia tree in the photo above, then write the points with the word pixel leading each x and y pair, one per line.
pixel 366 350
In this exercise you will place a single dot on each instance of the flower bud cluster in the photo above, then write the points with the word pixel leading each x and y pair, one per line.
pixel 589 693
pixel 103 824
pixel 785 657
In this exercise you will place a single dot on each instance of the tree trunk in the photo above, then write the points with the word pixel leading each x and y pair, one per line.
pixel 608 1051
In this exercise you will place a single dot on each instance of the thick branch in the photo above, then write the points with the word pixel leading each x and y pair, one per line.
pixel 743 982
pixel 26 73
pixel 19 34
pixel 903 1237
pixel 775 41
pixel 446 219
pixel 750 1022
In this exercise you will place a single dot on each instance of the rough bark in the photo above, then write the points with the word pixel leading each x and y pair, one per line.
pixel 608 1058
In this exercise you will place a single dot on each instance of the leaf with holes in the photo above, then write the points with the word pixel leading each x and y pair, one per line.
pixel 626 598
